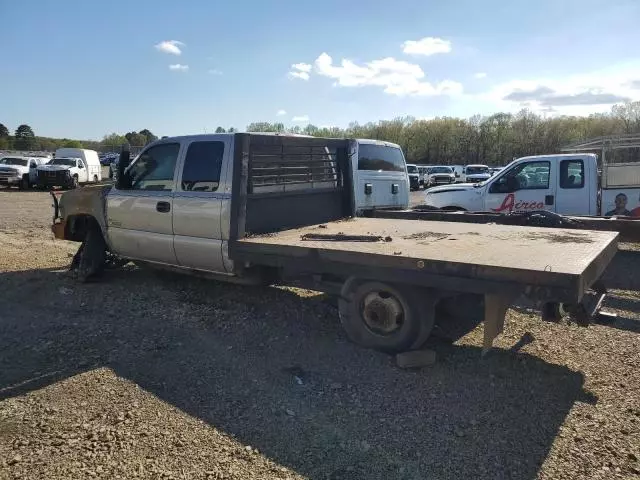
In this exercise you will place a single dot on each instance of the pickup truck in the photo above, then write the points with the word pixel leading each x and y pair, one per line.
pixel 70 168
pixel 568 184
pixel 19 171
pixel 264 209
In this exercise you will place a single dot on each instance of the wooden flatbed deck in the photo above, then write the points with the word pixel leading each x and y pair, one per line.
pixel 566 260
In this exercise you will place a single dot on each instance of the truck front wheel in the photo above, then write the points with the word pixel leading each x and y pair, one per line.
pixel 25 183
pixel 74 181
pixel 384 316
pixel 90 260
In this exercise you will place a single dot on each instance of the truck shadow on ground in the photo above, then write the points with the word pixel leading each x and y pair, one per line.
pixel 274 369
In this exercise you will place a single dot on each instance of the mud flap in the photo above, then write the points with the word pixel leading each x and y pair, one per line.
pixel 495 309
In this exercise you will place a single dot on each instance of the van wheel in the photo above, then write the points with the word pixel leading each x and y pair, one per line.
pixel 24 183
pixel 90 260
pixel 74 181
pixel 95 179
pixel 383 316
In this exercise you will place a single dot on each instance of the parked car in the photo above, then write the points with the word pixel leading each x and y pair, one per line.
pixel 414 176
pixel 438 175
pixel 476 173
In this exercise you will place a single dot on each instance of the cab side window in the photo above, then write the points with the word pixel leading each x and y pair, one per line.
pixel 155 167
pixel 571 174
pixel 526 176
pixel 201 172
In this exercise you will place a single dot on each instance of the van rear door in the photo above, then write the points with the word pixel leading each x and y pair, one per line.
pixel 380 177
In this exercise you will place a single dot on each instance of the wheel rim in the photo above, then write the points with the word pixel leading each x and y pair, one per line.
pixel 382 312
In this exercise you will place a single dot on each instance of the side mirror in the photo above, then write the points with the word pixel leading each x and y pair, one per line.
pixel 123 182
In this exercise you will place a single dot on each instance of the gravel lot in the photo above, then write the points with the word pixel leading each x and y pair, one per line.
pixel 156 376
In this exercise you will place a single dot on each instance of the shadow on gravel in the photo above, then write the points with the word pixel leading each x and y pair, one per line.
pixel 275 370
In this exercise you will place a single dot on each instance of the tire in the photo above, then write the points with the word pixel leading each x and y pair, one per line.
pixel 554 312
pixel 25 183
pixel 90 261
pixel 95 179
pixel 74 182
pixel 382 316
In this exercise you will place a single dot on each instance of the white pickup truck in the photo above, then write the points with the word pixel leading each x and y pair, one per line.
pixel 70 168
pixel 568 184
pixel 250 208
pixel 19 171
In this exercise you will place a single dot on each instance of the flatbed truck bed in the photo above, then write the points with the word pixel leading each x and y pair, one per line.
pixel 627 227
pixel 547 264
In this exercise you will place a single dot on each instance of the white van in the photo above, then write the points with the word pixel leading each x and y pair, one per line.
pixel 380 175
pixel 70 168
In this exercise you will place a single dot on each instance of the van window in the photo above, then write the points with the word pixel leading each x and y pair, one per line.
pixel 202 166
pixel 571 174
pixel 380 158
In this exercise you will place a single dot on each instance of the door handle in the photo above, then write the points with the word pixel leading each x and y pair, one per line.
pixel 163 207
pixel 548 199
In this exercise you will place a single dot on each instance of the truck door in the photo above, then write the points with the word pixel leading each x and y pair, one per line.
pixel 82 171
pixel 140 219
pixel 573 191
pixel 525 187
pixel 198 202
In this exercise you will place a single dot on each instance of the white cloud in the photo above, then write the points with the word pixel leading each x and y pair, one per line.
pixel 300 70
pixel 179 67
pixel 426 46
pixel 213 71
pixel 281 113
pixel 578 94
pixel 170 46
pixel 301 119
pixel 396 77
pixel 480 75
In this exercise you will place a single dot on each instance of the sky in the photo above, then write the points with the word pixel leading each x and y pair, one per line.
pixel 83 69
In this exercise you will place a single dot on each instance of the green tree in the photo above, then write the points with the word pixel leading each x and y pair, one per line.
pixel 135 139
pixel 220 130
pixel 113 141
pixel 4 131
pixel 25 139
pixel 150 137
pixel 67 143
pixel 231 130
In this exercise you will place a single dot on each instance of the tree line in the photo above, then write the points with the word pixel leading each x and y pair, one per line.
pixel 494 140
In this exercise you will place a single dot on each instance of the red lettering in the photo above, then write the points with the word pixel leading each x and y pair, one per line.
pixel 507 204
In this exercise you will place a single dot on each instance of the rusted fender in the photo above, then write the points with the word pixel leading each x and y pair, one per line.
pixel 90 200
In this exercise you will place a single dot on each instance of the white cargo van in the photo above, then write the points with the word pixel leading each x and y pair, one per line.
pixel 70 168
pixel 380 175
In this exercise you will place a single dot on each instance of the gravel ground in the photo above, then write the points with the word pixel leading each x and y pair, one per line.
pixel 164 377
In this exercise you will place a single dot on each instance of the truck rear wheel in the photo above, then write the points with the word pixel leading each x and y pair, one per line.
pixel 383 316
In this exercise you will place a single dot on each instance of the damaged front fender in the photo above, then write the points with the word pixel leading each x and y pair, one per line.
pixel 76 208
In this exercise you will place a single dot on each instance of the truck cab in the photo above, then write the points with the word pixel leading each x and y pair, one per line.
pixel 563 183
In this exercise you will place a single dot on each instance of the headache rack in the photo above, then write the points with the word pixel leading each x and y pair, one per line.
pixel 285 181
pixel 286 168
